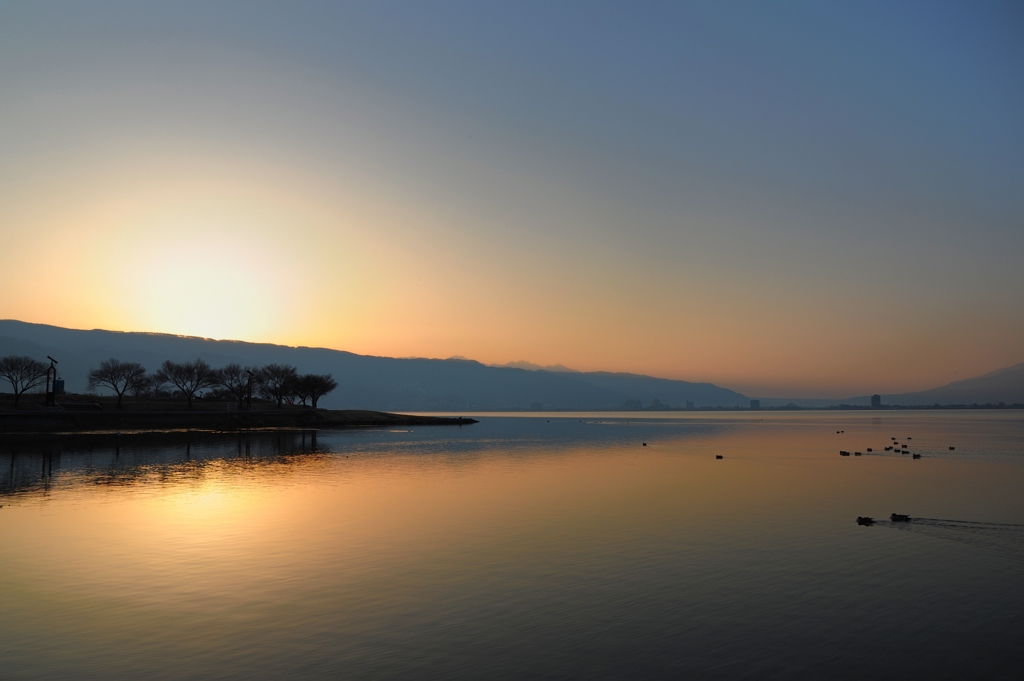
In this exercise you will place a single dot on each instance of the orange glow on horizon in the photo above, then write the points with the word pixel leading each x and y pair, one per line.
pixel 267 201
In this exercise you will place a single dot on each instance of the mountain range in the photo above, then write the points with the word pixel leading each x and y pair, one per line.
pixel 454 384
pixel 530 366
pixel 1000 386
pixel 366 382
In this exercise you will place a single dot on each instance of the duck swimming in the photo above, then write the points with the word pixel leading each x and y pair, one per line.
pixel 864 520
pixel 899 518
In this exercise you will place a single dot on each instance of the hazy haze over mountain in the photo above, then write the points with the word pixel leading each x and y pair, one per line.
pixel 1003 385
pixel 530 366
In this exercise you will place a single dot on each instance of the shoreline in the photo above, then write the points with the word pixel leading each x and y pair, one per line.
pixel 55 421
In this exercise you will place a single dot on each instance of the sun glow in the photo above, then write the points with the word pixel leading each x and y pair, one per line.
pixel 211 282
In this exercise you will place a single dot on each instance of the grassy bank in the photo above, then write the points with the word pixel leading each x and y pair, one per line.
pixel 89 416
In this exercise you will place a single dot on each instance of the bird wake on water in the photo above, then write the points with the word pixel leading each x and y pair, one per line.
pixel 1006 539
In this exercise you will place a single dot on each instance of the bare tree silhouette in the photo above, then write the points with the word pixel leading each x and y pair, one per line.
pixel 314 386
pixel 148 385
pixel 24 373
pixel 188 377
pixel 119 376
pixel 276 381
pixel 156 384
pixel 300 388
pixel 235 379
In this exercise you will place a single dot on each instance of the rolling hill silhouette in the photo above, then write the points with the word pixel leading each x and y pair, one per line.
pixel 415 384
pixel 1002 385
pixel 366 382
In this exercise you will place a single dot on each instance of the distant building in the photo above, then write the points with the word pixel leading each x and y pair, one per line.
pixel 755 404
pixel 876 401
pixel 689 405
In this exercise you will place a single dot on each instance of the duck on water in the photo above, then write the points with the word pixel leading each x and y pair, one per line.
pixel 895 517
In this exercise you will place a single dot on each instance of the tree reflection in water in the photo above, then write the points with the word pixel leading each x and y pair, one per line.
pixel 36 464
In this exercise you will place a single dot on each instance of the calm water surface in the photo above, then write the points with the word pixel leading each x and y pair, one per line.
pixel 521 547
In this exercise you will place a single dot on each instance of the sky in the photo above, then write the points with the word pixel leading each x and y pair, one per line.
pixel 811 199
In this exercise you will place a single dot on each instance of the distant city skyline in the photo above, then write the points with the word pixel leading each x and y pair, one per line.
pixel 817 199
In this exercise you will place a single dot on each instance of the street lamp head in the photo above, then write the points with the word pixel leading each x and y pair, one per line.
pixel 52 359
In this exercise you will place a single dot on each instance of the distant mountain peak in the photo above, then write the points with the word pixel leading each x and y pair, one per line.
pixel 530 366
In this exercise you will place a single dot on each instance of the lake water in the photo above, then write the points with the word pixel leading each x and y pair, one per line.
pixel 550 547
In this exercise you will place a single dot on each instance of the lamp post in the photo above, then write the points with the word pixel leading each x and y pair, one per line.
pixel 51 383
pixel 248 398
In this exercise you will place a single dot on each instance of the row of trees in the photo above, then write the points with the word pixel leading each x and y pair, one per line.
pixel 276 382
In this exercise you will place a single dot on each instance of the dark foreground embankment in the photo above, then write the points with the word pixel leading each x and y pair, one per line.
pixel 62 421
